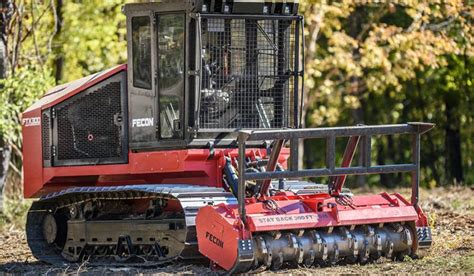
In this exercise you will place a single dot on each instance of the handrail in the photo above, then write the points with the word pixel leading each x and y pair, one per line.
pixel 416 129
pixel 198 73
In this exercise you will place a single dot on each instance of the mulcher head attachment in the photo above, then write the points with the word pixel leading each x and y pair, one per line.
pixel 307 230
pixel 274 227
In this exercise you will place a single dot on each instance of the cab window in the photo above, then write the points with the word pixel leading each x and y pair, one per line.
pixel 171 69
pixel 141 52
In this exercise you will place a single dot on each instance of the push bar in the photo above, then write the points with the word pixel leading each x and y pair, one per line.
pixel 416 129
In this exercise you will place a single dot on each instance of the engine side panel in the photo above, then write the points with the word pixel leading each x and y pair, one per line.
pixel 79 123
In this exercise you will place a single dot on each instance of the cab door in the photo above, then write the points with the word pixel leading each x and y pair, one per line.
pixel 171 76
pixel 143 118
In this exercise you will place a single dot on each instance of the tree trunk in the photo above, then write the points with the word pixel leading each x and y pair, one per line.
pixel 310 52
pixel 453 154
pixel 431 158
pixel 58 48
pixel 6 8
pixel 355 24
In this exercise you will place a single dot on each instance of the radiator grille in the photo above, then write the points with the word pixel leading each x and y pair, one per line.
pixel 45 132
pixel 87 125
pixel 247 73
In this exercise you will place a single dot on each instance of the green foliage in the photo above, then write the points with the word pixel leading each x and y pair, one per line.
pixel 83 36
pixel 376 62
pixel 93 37
pixel 18 92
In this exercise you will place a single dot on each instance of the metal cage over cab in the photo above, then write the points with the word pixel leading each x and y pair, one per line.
pixel 200 70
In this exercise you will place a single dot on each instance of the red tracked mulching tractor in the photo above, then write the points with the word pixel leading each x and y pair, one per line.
pixel 190 152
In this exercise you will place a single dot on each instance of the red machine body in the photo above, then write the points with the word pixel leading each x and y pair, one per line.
pixel 191 151
pixel 185 166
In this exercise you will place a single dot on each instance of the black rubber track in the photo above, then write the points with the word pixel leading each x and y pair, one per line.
pixel 191 198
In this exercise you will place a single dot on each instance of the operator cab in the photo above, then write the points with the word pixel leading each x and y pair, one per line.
pixel 200 70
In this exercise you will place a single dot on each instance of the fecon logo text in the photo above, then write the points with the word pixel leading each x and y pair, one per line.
pixel 143 122
pixel 214 240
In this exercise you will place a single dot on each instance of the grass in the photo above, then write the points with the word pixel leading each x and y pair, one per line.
pixel 14 213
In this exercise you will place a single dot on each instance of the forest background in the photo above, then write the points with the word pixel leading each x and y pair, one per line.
pixel 367 62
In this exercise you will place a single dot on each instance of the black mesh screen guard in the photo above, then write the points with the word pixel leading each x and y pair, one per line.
pixel 89 126
pixel 248 73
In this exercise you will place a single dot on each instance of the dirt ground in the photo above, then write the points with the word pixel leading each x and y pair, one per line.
pixel 451 213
